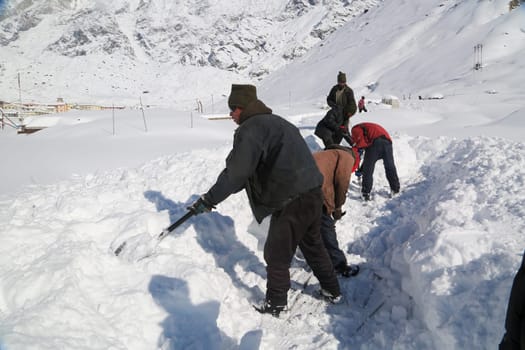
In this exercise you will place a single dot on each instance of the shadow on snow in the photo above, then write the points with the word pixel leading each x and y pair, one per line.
pixel 216 235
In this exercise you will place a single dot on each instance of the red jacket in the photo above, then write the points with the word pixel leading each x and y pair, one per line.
pixel 364 134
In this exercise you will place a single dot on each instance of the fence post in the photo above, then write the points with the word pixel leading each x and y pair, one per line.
pixel 113 117
pixel 143 115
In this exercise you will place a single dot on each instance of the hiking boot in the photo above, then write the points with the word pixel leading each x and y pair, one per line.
pixel 347 270
pixel 334 299
pixel 393 193
pixel 268 308
pixel 365 196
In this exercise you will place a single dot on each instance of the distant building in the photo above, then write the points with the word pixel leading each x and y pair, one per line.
pixel 87 107
pixel 391 100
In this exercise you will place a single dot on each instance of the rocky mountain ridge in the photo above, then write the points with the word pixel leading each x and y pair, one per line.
pixel 242 36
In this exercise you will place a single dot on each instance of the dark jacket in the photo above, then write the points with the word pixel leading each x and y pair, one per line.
pixel 269 159
pixel 347 100
pixel 514 338
pixel 333 120
pixel 364 134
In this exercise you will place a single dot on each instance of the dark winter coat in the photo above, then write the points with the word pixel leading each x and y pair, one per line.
pixel 333 127
pixel 347 100
pixel 364 134
pixel 269 159
pixel 333 120
pixel 514 338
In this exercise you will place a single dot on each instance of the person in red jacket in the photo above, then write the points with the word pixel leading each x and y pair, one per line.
pixel 361 105
pixel 377 143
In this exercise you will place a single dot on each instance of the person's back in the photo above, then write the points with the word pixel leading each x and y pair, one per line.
pixel 336 164
pixel 377 143
pixel 364 134
pixel 286 167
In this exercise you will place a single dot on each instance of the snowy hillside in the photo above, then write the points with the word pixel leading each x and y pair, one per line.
pixel 125 47
pixel 437 261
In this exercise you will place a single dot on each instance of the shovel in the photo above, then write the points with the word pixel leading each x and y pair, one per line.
pixel 140 247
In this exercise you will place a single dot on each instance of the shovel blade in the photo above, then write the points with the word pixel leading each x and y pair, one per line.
pixel 135 248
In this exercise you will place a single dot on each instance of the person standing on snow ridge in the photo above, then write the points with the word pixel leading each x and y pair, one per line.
pixel 272 163
pixel 335 124
pixel 514 338
pixel 361 105
pixel 336 163
pixel 377 143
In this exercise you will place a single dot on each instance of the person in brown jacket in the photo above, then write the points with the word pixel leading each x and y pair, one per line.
pixel 336 163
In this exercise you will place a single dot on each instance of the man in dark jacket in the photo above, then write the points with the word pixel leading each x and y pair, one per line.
pixel 377 143
pixel 514 338
pixel 334 126
pixel 272 162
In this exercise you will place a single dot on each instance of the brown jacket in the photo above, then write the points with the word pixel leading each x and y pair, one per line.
pixel 336 166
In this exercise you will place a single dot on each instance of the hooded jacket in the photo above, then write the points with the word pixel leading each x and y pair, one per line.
pixel 269 159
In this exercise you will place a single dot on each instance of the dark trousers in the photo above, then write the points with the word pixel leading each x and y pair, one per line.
pixel 381 148
pixel 297 224
pixel 329 236
pixel 514 338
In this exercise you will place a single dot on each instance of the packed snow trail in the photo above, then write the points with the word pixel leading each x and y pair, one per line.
pixel 431 257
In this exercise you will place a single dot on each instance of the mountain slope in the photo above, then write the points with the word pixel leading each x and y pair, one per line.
pixel 242 38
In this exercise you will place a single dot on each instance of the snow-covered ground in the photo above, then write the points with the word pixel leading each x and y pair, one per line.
pixel 437 260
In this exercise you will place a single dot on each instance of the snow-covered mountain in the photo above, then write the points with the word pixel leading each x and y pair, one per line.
pixel 245 37
pixel 437 261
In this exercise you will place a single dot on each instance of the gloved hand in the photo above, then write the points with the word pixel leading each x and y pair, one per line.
pixel 201 206
pixel 359 172
pixel 338 214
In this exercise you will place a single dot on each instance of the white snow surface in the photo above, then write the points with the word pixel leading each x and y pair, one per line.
pixel 437 260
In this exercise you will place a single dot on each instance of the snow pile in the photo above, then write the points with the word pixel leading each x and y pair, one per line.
pixel 437 260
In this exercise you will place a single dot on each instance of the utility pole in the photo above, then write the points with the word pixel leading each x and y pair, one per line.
pixel 20 101
pixel 19 90
pixel 478 57
pixel 143 115
pixel 113 117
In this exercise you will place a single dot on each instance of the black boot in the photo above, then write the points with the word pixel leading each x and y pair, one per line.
pixel 331 297
pixel 268 308
pixel 347 270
